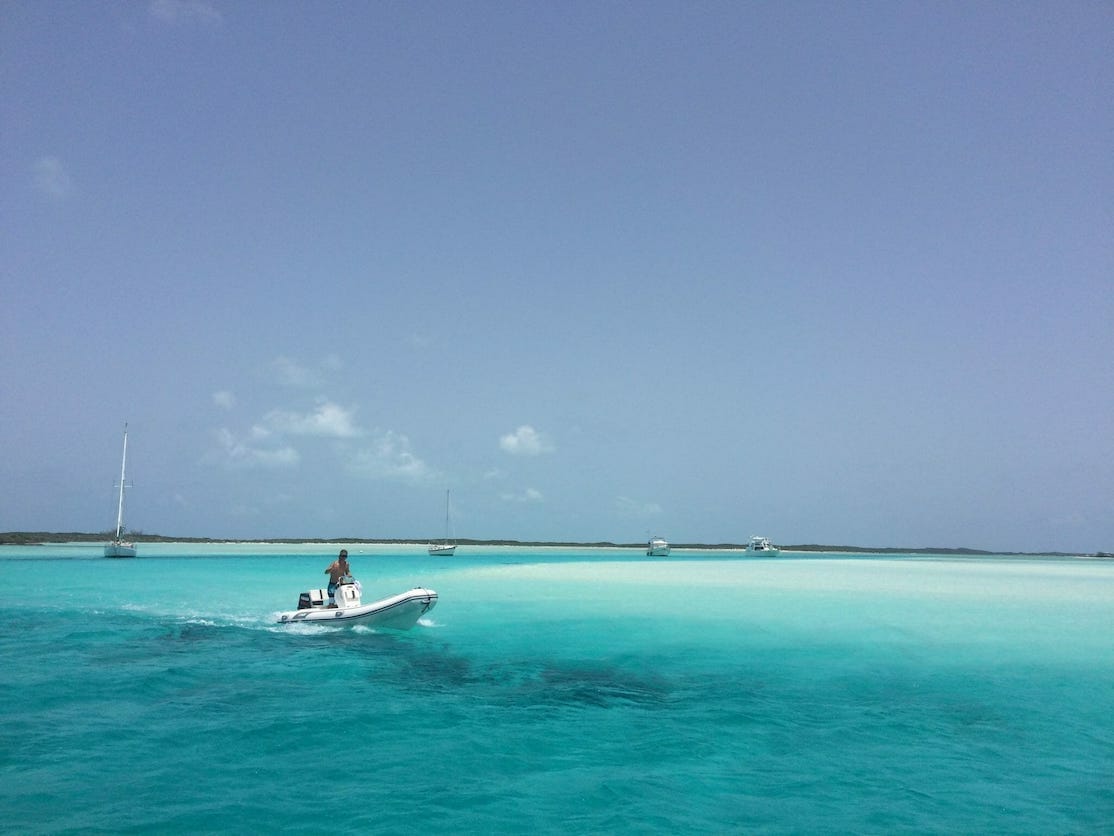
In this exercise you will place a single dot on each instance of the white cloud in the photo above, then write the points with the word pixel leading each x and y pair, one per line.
pixel 290 372
pixel 526 441
pixel 224 399
pixel 528 495
pixel 185 11
pixel 329 420
pixel 390 457
pixel 633 508
pixel 51 178
pixel 240 453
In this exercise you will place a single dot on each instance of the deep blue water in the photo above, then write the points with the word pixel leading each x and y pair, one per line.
pixel 557 691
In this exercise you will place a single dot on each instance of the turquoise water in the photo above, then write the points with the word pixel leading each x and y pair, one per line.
pixel 557 691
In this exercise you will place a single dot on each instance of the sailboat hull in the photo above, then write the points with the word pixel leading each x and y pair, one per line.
pixel 445 550
pixel 119 550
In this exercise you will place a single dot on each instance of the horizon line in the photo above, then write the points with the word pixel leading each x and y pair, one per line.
pixel 39 538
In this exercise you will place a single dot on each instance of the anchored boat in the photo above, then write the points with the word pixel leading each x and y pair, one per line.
pixel 119 547
pixel 447 546
pixel 399 612
pixel 760 545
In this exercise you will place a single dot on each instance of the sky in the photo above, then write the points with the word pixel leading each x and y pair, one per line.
pixel 835 273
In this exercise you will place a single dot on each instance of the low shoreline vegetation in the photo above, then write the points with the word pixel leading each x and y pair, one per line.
pixel 39 538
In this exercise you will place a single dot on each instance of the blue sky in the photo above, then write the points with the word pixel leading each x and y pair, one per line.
pixel 830 273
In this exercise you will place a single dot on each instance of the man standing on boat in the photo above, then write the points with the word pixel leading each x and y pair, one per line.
pixel 338 569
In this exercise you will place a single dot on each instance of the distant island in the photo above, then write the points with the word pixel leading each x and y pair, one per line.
pixel 38 538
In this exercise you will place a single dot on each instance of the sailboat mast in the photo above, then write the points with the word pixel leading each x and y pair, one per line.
pixel 123 466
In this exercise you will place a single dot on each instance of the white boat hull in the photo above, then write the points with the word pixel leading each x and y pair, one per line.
pixel 119 550
pixel 760 545
pixel 399 612
pixel 446 550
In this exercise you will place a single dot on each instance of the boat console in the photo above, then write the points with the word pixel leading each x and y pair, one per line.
pixel 347 595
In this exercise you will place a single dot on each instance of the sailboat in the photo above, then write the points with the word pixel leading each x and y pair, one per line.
pixel 119 547
pixel 446 546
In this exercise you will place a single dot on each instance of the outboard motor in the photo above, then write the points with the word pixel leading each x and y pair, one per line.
pixel 312 598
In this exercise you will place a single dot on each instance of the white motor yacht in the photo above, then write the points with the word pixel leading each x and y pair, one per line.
pixel 760 545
